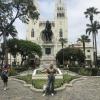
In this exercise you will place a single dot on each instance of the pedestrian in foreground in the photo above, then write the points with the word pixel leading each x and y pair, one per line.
pixel 51 71
pixel 4 76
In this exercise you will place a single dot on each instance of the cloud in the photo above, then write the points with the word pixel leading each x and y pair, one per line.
pixel 75 12
pixel 21 28
pixel 46 8
pixel 76 18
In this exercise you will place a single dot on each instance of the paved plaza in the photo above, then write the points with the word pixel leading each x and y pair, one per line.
pixel 87 89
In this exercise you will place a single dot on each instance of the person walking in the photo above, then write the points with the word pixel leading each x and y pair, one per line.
pixel 51 71
pixel 4 76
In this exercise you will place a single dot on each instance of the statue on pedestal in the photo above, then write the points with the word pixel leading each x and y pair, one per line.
pixel 47 32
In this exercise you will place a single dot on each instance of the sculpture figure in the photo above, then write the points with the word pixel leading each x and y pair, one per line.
pixel 47 33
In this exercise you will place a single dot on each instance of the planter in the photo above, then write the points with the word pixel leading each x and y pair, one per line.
pixel 35 74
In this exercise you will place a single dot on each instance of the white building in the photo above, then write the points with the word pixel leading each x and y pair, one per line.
pixel 59 29
pixel 88 51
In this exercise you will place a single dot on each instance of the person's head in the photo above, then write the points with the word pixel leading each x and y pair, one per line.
pixel 5 66
pixel 51 66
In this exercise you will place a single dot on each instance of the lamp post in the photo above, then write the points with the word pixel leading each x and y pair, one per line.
pixel 26 59
pixel 95 58
pixel 71 59
pixel 62 41
pixel 15 55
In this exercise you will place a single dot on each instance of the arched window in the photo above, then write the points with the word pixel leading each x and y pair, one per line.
pixel 60 33
pixel 32 33
pixel 63 15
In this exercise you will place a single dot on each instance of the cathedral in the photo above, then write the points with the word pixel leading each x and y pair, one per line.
pixel 48 33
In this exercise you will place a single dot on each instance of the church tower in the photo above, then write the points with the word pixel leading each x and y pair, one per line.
pixel 61 19
pixel 50 45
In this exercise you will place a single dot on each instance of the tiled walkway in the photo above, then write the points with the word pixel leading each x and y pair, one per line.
pixel 88 89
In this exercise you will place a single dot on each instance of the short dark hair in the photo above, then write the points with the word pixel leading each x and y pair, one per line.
pixel 51 66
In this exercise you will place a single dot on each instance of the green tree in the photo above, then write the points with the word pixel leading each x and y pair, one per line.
pixel 12 46
pixel 12 10
pixel 27 48
pixel 93 28
pixel 90 12
pixel 70 54
pixel 62 41
pixel 24 48
pixel 84 39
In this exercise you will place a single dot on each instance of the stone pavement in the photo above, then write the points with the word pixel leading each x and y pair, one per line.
pixel 16 91
pixel 87 89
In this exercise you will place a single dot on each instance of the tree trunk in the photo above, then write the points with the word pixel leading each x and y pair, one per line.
pixel 95 49
pixel 84 47
pixel 22 62
pixel 63 53
pixel 5 49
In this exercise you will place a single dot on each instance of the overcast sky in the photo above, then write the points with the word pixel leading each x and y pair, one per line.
pixel 76 18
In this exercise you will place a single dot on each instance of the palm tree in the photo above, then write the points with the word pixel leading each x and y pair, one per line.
pixel 83 39
pixel 10 12
pixel 12 32
pixel 62 41
pixel 90 12
pixel 92 28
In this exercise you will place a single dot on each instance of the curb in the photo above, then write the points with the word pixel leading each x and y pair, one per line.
pixel 40 90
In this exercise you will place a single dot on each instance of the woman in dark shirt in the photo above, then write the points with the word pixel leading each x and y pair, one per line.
pixel 4 76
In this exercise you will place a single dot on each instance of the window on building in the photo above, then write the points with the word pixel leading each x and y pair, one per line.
pixel 88 50
pixel 59 15
pixel 58 8
pixel 62 15
pixel 32 33
pixel 48 51
pixel 60 33
pixel 88 56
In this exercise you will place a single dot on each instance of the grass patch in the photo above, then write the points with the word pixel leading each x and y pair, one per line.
pixel 67 78
pixel 38 83
pixel 27 78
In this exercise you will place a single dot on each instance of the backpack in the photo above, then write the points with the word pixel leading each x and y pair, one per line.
pixel 4 75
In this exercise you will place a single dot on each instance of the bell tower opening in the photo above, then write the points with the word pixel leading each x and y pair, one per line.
pixel 60 9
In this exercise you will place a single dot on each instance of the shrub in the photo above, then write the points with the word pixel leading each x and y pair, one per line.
pixel 94 71
pixel 21 68
pixel 84 71
pixel 74 69
pixel 12 72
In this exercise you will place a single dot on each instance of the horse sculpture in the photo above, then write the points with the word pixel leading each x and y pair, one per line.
pixel 47 32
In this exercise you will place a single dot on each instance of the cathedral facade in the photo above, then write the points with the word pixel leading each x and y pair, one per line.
pixel 48 33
